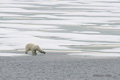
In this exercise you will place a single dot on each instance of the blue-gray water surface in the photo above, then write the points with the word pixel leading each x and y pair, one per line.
pixel 71 25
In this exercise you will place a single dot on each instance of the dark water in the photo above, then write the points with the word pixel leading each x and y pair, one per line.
pixel 61 24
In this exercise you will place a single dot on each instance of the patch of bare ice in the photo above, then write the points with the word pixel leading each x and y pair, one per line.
pixel 96 54
pixel 12 54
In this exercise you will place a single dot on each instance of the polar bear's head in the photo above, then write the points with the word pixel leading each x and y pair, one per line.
pixel 43 52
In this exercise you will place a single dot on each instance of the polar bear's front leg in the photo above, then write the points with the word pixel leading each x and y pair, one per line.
pixel 34 52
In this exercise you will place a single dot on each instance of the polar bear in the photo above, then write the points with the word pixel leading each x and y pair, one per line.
pixel 32 47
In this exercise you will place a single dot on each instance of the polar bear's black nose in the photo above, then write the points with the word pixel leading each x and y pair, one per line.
pixel 44 52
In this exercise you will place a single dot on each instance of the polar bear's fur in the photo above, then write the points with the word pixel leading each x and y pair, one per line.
pixel 32 47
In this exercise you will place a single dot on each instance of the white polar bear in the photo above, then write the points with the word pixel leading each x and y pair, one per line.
pixel 32 47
